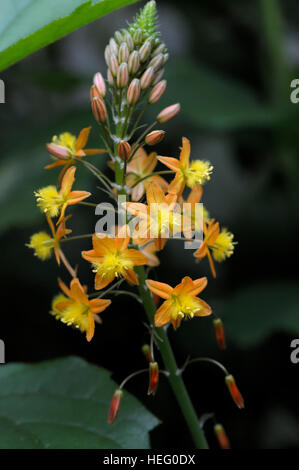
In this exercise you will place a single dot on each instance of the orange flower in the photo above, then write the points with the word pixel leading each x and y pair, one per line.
pixel 61 232
pixel 191 174
pixel 74 308
pixel 112 258
pixel 53 202
pixel 66 147
pixel 180 301
pixel 159 218
pixel 140 167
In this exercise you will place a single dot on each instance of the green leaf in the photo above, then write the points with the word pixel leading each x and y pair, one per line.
pixel 28 25
pixel 212 100
pixel 256 312
pixel 63 404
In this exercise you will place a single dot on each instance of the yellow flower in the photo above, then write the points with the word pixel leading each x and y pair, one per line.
pixel 53 202
pixel 191 174
pixel 75 309
pixel 223 246
pixel 42 245
pixel 180 301
pixel 111 258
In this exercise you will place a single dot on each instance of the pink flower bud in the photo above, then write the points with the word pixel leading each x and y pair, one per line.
pixel 158 76
pixel 145 51
pixel 133 92
pixel 99 82
pixel 115 406
pixel 113 65
pixel 107 55
pixel 169 113
pixel 154 137
pixel 122 75
pixel 157 92
pixel 123 53
pixel 124 150
pixel 118 37
pixel 129 41
pixel 147 78
pixel 137 37
pixel 113 46
pixel 134 62
pixel 161 49
pixel 110 78
pixel 157 62
pixel 58 151
pixel 99 109
pixel 165 58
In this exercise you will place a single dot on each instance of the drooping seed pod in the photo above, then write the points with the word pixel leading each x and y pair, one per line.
pixel 115 406
pixel 137 37
pixel 158 76
pixel 134 62
pixel 153 378
pixel 146 350
pixel 122 75
pixel 99 82
pixel 113 46
pixel 133 93
pixel 157 62
pixel 168 113
pixel 157 92
pixel 234 391
pixel 124 150
pixel 123 53
pixel 129 40
pixel 147 78
pixel 145 51
pixel 154 137
pixel 113 65
pixel 118 37
pixel 99 109
pixel 110 78
pixel 221 436
pixel 220 334
pixel 58 151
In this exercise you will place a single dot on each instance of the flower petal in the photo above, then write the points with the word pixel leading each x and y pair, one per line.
pixel 82 138
pixel 185 152
pixel 163 314
pixel 136 257
pixel 162 289
pixel 172 163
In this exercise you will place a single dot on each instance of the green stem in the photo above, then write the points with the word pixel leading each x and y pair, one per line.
pixel 175 380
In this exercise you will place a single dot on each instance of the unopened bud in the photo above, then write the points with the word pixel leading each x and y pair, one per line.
pixel 161 49
pixel 165 58
pixel 122 75
pixel 123 53
pixel 234 391
pixel 124 150
pixel 133 92
pixel 58 151
pixel 134 62
pixel 157 92
pixel 154 137
pixel 110 78
pixel 118 37
pixel 129 41
pixel 145 51
pixel 113 46
pixel 99 109
pixel 169 113
pixel 107 55
pixel 147 78
pixel 221 436
pixel 113 65
pixel 157 62
pixel 220 334
pixel 114 406
pixel 99 82
pixel 147 352
pixel 137 37
pixel 153 378
pixel 158 76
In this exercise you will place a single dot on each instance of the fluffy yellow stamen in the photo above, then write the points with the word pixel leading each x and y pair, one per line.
pixel 113 265
pixel 164 222
pixel 49 200
pixel 66 139
pixel 198 172
pixel 184 305
pixel 76 314
pixel 224 246
pixel 42 245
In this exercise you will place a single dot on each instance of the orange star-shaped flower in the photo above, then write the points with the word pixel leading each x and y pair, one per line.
pixel 74 308
pixel 58 234
pixel 66 147
pixel 111 258
pixel 211 232
pixel 180 301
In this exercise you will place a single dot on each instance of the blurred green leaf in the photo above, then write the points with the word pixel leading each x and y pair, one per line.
pixel 28 25
pixel 63 404
pixel 212 100
pixel 255 312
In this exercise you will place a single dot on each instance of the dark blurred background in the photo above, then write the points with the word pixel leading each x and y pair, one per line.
pixel 231 67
